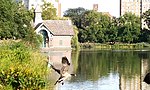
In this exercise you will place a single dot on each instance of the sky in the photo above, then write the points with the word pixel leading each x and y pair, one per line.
pixel 111 6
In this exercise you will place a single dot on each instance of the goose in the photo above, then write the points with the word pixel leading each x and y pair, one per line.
pixel 63 72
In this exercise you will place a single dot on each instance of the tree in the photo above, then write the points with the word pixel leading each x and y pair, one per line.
pixel 146 17
pixel 129 28
pixel 91 24
pixel 15 22
pixel 48 11
pixel 74 40
pixel 75 15
pixel 7 25
pixel 95 24
pixel 145 36
pixel 113 30
pixel 145 33
pixel 96 27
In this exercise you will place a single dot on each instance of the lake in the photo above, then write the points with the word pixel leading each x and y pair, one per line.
pixel 104 69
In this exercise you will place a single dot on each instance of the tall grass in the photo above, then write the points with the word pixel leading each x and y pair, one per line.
pixel 21 67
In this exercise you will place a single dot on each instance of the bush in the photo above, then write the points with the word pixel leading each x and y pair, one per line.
pixel 21 67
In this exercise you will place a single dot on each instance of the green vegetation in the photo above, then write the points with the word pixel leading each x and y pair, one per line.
pixel 97 27
pixel 15 23
pixel 129 28
pixel 145 34
pixel 21 67
pixel 48 11
pixel 74 40
pixel 93 65
pixel 118 46
pixel 75 15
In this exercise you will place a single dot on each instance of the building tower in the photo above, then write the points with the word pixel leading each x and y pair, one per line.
pixel 134 6
pixel 59 9
pixel 95 7
pixel 38 15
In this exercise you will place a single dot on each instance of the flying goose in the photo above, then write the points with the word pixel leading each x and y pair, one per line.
pixel 63 71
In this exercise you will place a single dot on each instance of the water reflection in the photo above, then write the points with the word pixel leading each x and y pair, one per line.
pixel 145 68
pixel 55 58
pixel 106 70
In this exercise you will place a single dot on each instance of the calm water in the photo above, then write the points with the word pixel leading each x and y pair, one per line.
pixel 105 70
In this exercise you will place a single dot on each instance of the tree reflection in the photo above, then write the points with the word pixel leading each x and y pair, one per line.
pixel 100 69
pixel 95 64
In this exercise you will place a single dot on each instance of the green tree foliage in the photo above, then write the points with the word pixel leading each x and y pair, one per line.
pixel 89 21
pixel 8 28
pixel 145 36
pixel 145 33
pixel 75 15
pixel 112 32
pixel 74 40
pixel 129 28
pixel 96 27
pixel 15 22
pixel 48 11
pixel 146 17
pixel 91 24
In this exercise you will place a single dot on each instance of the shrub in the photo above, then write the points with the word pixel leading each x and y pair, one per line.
pixel 21 67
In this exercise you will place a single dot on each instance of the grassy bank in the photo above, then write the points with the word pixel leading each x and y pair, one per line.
pixel 117 46
pixel 22 67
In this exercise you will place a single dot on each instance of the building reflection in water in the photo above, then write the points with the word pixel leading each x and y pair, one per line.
pixel 130 77
pixel 136 83
pixel 56 56
pixel 130 84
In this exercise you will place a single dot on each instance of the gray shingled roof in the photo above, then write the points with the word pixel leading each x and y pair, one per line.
pixel 59 27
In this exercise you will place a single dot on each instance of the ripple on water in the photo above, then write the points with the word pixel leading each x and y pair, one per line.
pixel 107 83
